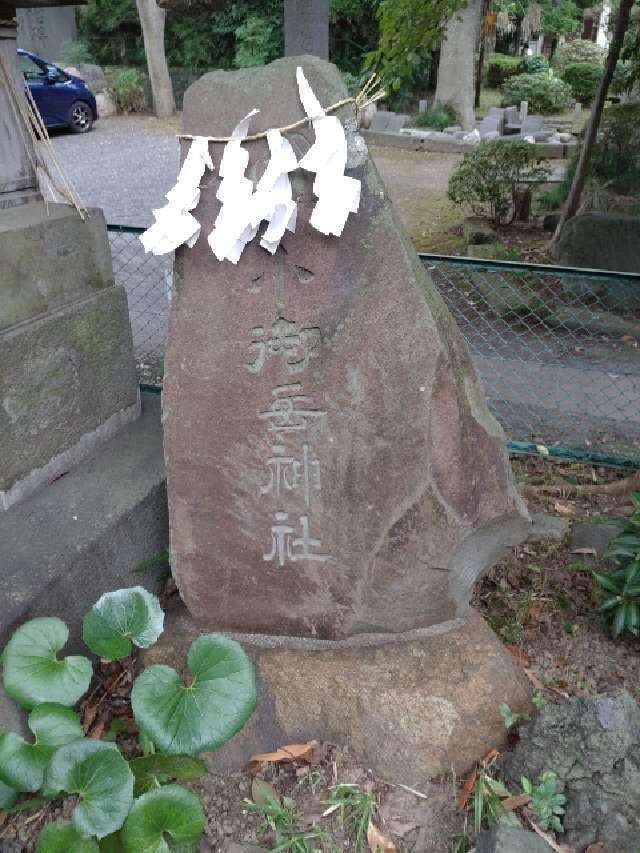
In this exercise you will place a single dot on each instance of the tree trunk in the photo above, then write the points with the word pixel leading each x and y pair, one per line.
pixel 152 20
pixel 456 72
pixel 582 169
pixel 486 5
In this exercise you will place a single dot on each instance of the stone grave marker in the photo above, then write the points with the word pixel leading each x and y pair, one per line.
pixel 333 468
pixel 306 28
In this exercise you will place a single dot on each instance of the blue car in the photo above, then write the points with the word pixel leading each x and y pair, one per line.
pixel 62 99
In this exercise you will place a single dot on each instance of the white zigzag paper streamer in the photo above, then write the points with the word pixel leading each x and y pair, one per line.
pixel 273 199
pixel 174 225
pixel 338 195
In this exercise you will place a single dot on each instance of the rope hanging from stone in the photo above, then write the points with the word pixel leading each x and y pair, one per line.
pixel 363 99
pixel 28 117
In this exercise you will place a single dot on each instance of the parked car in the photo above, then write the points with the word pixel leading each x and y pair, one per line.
pixel 62 99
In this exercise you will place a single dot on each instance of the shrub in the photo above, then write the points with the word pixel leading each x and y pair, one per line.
pixel 439 117
pixel 127 88
pixel 620 588
pixel 544 92
pixel 488 177
pixel 499 67
pixel 623 78
pixel 75 53
pixel 256 42
pixel 534 64
pixel 616 155
pixel 579 50
pixel 584 79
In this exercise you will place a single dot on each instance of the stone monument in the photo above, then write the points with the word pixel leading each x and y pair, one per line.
pixel 336 482
pixel 46 31
pixel 67 374
pixel 306 28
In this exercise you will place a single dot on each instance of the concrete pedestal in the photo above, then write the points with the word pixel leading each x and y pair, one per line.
pixel 411 709
pixel 67 372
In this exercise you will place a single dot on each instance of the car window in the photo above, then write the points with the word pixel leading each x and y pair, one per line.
pixel 31 70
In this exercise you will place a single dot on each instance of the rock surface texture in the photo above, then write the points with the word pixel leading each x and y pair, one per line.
pixel 593 745
pixel 409 710
pixel 332 465
pixel 605 241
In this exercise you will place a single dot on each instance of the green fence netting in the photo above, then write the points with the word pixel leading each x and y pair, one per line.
pixel 558 349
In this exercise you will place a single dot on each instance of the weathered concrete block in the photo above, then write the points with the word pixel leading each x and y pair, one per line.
pixel 83 535
pixel 67 383
pixel 49 259
pixel 478 230
pixel 409 709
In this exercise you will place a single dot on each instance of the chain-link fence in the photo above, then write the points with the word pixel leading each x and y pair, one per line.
pixel 558 350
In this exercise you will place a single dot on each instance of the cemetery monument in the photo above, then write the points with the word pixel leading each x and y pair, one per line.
pixel 336 482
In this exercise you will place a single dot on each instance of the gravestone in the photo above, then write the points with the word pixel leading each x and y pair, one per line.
pixel 306 28
pixel 336 482
pixel 46 31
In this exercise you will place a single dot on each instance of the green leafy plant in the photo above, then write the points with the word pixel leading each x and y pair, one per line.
pixel 500 67
pixel 511 718
pixel 545 803
pixel 76 53
pixel 488 177
pixel 126 85
pixel 544 92
pixel 584 79
pixel 132 804
pixel 256 42
pixel 620 588
pixel 578 50
pixel 356 808
pixel 438 117
pixel 282 819
pixel 538 699
pixel 536 64
pixel 486 797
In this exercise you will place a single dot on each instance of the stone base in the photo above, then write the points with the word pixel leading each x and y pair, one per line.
pixel 84 534
pixel 411 709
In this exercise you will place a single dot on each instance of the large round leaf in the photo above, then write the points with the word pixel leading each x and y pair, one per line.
pixel 207 712
pixel 32 672
pixel 63 837
pixel 169 818
pixel 22 764
pixel 121 618
pixel 8 796
pixel 98 773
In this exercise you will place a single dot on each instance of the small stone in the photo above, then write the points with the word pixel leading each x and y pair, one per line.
pixel 478 230
pixel 106 105
pixel 504 837
pixel 592 536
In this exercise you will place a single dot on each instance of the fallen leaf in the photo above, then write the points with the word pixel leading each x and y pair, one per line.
pixel 89 715
pixel 99 730
pixel 263 793
pixel 565 509
pixel 493 753
pixel 513 803
pixel 290 752
pixel 379 843
pixel 587 550
pixel 467 788
pixel 596 848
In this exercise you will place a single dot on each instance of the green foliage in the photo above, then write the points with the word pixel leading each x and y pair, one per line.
pixel 282 819
pixel 148 770
pixel 438 117
pixel 409 31
pixel 355 809
pixel 100 776
pixel 615 160
pixel 63 837
pixel 486 797
pixel 488 177
pixel 544 92
pixel 127 88
pixel 623 78
pixel 535 64
pixel 620 588
pixel 560 17
pixel 121 619
pixel 353 33
pixel 579 50
pixel 545 803
pixel 168 818
pixel 584 79
pixel 31 670
pixel 76 53
pixel 22 764
pixel 511 718
pixel 201 715
pixel 8 796
pixel 538 699
pixel 499 68
pixel 256 42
